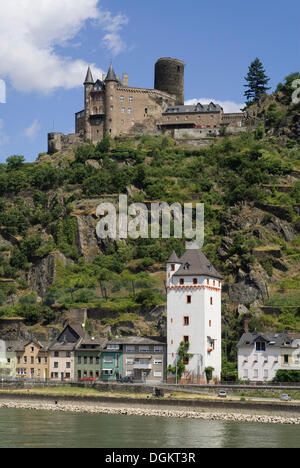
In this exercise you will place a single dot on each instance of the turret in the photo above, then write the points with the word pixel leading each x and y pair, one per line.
pixel 111 82
pixel 173 264
pixel 88 87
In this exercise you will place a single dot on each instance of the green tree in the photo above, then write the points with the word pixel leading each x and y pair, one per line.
pixel 15 162
pixel 257 82
pixel 183 357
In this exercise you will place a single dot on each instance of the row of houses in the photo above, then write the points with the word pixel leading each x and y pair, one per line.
pixel 194 289
pixel 76 356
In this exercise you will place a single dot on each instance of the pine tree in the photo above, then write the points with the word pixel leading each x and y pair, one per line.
pixel 257 81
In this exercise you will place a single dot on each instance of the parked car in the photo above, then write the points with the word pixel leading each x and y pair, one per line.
pixel 88 379
pixel 285 397
pixel 127 379
pixel 222 394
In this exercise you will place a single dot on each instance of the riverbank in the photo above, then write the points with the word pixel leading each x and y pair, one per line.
pixel 216 411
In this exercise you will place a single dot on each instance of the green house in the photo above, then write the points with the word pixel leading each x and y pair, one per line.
pixel 88 362
pixel 112 362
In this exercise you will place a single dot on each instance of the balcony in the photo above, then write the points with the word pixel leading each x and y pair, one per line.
pixel 138 365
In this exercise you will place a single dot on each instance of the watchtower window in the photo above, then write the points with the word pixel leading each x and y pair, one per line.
pixel 146 110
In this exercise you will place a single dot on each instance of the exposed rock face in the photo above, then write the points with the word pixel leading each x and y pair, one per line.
pixel 43 274
pixel 86 238
pixel 253 287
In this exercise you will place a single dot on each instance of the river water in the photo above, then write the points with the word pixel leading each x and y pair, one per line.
pixel 42 429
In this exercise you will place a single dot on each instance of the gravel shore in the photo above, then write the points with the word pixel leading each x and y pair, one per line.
pixel 142 411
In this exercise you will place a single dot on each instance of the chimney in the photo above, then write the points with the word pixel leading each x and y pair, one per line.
pixel 125 79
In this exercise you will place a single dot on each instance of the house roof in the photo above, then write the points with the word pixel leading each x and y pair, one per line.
pixel 273 339
pixel 194 262
pixel 20 345
pixel 139 340
pixel 193 109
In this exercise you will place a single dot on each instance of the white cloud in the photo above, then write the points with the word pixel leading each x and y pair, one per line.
pixel 32 131
pixel 30 30
pixel 113 25
pixel 228 106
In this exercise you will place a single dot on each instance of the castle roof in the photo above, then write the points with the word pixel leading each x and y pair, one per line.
pixel 173 258
pixel 194 262
pixel 193 109
pixel 89 77
pixel 111 76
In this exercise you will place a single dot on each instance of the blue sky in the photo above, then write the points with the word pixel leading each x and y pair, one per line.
pixel 47 45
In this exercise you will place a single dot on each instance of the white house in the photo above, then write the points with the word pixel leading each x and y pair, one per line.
pixel 194 313
pixel 261 355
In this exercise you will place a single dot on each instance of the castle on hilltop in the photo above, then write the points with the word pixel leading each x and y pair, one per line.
pixel 111 107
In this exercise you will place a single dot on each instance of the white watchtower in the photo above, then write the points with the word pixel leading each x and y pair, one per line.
pixel 194 313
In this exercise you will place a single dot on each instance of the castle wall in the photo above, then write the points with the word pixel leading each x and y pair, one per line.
pixel 59 141
pixel 134 110
pixel 200 120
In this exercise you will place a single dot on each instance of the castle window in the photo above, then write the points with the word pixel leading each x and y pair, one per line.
pixel 211 301
pixel 177 118
pixel 132 122
pixel 123 110
pixel 111 98
pixel 195 281
pixel 186 339
pixel 212 116
pixel 122 122
pixel 131 99
pixel 207 281
pixel 188 299
pixel 112 86
pixel 122 98
pixel 111 107
pixel 186 321
pixel 186 117
pixel 181 281
pixel 210 323
pixel 172 267
pixel 146 110
pixel 129 110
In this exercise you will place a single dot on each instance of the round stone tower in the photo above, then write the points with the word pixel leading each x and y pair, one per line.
pixel 169 77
